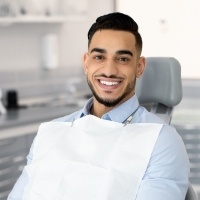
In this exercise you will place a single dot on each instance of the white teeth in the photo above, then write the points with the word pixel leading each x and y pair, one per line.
pixel 108 83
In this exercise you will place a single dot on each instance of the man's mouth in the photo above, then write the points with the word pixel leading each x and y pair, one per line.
pixel 109 83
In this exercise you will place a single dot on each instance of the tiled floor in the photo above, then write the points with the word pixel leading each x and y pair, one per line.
pixel 186 118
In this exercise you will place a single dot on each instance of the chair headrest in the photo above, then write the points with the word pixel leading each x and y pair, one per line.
pixel 160 82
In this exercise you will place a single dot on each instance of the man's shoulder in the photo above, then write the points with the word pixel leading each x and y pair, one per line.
pixel 144 116
pixel 69 118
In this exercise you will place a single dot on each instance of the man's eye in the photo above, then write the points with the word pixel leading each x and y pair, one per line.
pixel 98 57
pixel 123 59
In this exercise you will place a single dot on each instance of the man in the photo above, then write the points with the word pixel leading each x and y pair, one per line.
pixel 112 64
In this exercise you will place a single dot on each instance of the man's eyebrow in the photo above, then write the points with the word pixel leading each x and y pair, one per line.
pixel 99 50
pixel 120 52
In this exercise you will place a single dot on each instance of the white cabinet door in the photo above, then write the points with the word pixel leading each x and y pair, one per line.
pixel 168 28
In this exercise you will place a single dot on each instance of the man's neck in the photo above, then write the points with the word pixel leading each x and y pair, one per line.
pixel 99 110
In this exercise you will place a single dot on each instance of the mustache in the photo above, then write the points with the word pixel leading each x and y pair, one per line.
pixel 111 76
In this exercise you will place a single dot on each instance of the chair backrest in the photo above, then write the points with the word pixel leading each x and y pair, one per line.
pixel 191 195
pixel 160 87
pixel 160 90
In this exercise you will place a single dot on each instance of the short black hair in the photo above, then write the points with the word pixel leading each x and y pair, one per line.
pixel 116 21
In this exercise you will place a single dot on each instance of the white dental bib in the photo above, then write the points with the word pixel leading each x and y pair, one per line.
pixel 91 159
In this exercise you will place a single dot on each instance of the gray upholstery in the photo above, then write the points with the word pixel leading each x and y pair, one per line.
pixel 191 195
pixel 160 89
pixel 161 82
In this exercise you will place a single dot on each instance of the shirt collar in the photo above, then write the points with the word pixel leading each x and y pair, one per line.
pixel 86 108
pixel 118 114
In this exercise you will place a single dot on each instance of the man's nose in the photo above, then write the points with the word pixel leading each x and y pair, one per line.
pixel 110 68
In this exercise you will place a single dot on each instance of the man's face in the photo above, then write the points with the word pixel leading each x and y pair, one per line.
pixel 112 65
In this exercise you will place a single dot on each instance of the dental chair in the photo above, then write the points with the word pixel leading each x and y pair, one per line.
pixel 160 89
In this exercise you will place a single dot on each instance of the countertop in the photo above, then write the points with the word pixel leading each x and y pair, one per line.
pixel 25 120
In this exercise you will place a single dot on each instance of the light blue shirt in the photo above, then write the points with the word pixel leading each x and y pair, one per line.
pixel 166 177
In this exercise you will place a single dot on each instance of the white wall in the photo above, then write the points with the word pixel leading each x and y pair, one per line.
pixel 20 43
pixel 169 28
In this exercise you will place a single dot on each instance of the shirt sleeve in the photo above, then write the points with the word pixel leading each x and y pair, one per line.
pixel 167 175
pixel 18 189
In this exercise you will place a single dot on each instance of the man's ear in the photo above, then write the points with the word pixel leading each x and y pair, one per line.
pixel 85 63
pixel 140 67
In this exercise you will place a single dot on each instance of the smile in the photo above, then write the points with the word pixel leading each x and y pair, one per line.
pixel 109 83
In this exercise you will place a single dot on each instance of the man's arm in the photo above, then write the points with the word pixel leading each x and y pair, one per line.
pixel 167 174
pixel 18 189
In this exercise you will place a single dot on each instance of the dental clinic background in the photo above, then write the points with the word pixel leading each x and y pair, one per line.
pixel 41 47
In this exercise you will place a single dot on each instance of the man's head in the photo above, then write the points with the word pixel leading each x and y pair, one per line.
pixel 116 21
pixel 113 60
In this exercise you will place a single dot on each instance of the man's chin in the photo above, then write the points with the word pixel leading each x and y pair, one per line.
pixel 108 102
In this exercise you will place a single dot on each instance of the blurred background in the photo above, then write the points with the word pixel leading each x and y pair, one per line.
pixel 41 78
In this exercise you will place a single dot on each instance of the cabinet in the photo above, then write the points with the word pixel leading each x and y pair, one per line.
pixel 32 19
pixel 13 152
pixel 21 11
pixel 42 11
pixel 39 19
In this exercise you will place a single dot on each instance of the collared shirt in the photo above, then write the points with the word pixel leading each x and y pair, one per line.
pixel 167 173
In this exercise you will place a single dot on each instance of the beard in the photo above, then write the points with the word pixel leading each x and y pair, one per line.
pixel 108 102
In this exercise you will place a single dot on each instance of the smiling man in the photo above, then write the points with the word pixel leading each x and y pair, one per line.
pixel 113 148
pixel 112 64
